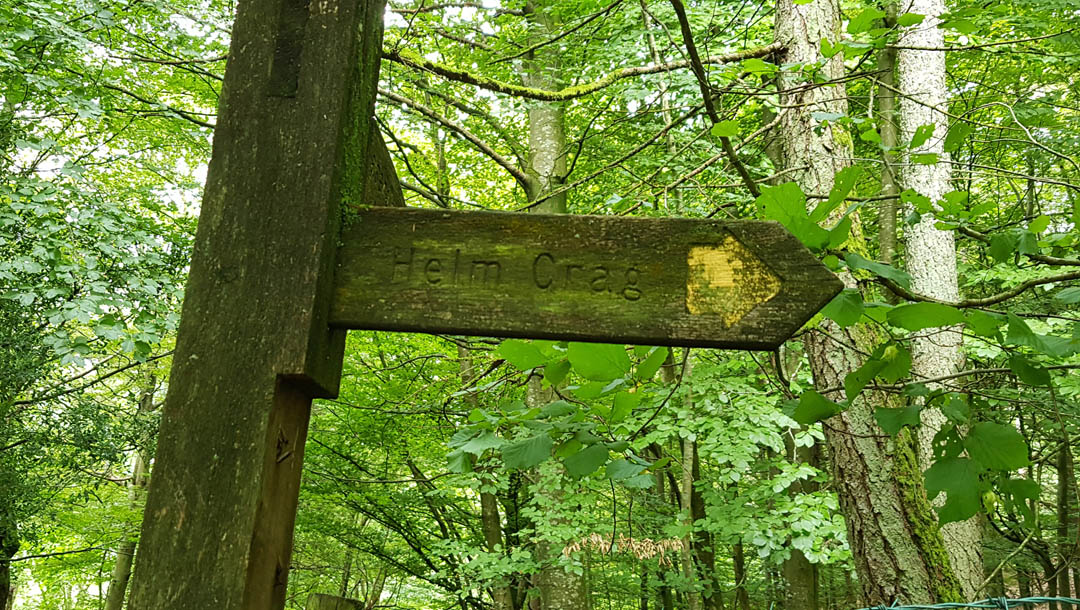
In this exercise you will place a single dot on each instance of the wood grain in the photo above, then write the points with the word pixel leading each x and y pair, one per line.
pixel 294 139
pixel 743 284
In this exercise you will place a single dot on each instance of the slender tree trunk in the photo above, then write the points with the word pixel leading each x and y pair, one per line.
pixel 704 554
pixel 346 573
pixel 738 562
pixel 1065 545
pixel 546 171
pixel 931 252
pixel 1023 582
pixel 897 547
pixel 125 555
pixel 9 545
pixel 693 598
pixel 887 126
pixel 492 526
pixel 800 575
pixel 490 521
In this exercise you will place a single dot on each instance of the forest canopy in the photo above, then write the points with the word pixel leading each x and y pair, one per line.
pixel 912 443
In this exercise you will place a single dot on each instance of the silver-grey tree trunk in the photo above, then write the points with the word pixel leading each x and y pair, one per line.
pixel 894 538
pixel 931 252
pixel 546 172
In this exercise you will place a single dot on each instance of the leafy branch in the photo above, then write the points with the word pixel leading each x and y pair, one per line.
pixel 414 60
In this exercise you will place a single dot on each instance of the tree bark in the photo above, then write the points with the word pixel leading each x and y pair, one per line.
pixel 1065 544
pixel 9 545
pixel 887 127
pixel 738 562
pixel 693 597
pixel 897 547
pixel 931 252
pixel 800 575
pixel 125 555
pixel 546 171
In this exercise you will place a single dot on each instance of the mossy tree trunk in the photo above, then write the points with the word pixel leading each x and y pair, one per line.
pixel 897 547
pixel 931 252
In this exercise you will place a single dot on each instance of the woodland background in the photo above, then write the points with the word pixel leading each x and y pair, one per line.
pixel 916 442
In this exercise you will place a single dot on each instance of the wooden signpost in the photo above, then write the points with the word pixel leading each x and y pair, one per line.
pixel 671 281
pixel 275 282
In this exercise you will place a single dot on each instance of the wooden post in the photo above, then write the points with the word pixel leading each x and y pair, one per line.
pixel 294 138
pixel 318 601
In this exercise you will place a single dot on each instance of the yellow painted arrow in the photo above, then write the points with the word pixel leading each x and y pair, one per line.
pixel 727 280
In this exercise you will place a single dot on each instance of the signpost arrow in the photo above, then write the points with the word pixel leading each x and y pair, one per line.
pixel 671 281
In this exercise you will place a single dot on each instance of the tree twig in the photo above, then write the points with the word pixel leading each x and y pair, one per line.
pixel 413 60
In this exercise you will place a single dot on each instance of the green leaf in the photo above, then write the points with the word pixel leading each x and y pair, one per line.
pixel 459 462
pixel 922 135
pixel 845 181
pixel 963 26
pixel 648 367
pixel 599 361
pixel 524 355
pixel 897 363
pixel 956 409
pixel 856 380
pixel 641 481
pixel 996 446
pixel 959 479
pixel 982 323
pixel 1021 334
pixel 864 20
pixel 1069 295
pixel 557 409
pixel 586 461
pixel 784 203
pixel 568 448
pixel 1002 246
pixel 725 129
pixel 1028 372
pixel 624 404
pixel 618 470
pixel 813 407
pixel 909 19
pixel 892 420
pixel 827 51
pixel 880 269
pixel 555 372
pixel 845 309
pixel 484 441
pixel 839 234
pixel 925 158
pixel 527 453
pixel 958 132
pixel 826 116
pixel 917 316
pixel 1039 224
pixel 1020 495
pixel 757 66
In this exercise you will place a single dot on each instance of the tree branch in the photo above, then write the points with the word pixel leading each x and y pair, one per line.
pixel 616 162
pixel 983 302
pixel 563 34
pixel 413 60
pixel 93 381
pixel 461 131
pixel 1049 260
pixel 706 93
